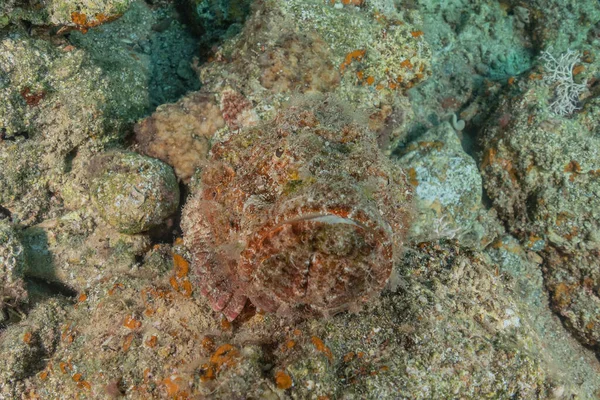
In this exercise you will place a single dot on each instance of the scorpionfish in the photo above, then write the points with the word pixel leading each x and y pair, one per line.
pixel 301 215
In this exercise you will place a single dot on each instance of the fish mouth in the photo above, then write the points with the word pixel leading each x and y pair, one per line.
pixel 323 259
pixel 325 219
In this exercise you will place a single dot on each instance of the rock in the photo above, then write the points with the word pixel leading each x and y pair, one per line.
pixel 216 20
pixel 77 250
pixel 26 347
pixel 573 281
pixel 447 188
pixel 307 46
pixel 12 266
pixel 55 105
pixel 133 193
pixel 429 339
pixel 154 65
pixel 541 172
pixel 73 13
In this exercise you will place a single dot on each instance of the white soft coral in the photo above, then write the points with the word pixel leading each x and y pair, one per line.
pixel 559 71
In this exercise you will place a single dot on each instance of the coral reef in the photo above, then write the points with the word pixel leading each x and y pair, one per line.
pixel 540 170
pixel 559 71
pixel 476 269
pixel 301 214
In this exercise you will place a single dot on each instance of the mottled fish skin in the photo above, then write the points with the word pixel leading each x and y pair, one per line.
pixel 298 215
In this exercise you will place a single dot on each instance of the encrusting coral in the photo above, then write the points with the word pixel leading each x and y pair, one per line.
pixel 179 134
pixel 302 215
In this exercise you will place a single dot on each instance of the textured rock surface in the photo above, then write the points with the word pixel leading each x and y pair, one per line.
pixel 70 97
pixel 77 250
pixel 216 20
pixel 79 14
pixel 12 265
pixel 56 104
pixel 308 47
pixel 447 188
pixel 26 347
pixel 431 339
pixel 301 214
pixel 574 284
pixel 508 309
pixel 541 172
pixel 131 192
pixel 39 76
pixel 311 46
pixel 569 361
pixel 151 48
pixel 452 320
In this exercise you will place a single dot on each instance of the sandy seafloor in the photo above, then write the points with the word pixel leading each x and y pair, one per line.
pixel 303 199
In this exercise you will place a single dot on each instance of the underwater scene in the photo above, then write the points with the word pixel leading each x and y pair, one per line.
pixel 300 199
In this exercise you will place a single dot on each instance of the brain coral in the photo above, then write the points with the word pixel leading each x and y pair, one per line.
pixel 300 215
